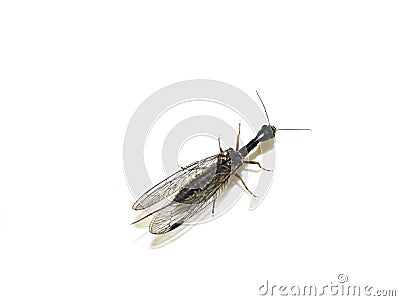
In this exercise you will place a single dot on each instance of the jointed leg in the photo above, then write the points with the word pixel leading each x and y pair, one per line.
pixel 237 139
pixel 213 208
pixel 257 163
pixel 219 144
pixel 244 184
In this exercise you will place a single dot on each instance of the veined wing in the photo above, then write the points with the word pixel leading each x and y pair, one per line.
pixel 176 213
pixel 175 182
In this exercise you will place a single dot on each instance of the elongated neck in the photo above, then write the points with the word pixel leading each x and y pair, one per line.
pixel 245 150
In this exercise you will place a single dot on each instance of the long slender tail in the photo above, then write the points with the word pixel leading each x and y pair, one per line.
pixel 151 213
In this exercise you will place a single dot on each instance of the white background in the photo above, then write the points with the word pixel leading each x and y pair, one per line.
pixel 72 74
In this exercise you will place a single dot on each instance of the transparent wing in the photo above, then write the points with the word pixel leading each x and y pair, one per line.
pixel 175 182
pixel 175 213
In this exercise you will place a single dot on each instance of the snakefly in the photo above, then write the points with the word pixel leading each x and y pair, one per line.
pixel 195 187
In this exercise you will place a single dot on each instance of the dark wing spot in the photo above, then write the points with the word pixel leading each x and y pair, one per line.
pixel 176 225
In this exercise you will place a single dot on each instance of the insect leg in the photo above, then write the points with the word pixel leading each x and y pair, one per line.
pixel 245 186
pixel 237 139
pixel 219 144
pixel 257 163
pixel 213 207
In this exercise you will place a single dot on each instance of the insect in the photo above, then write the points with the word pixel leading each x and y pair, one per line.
pixel 195 187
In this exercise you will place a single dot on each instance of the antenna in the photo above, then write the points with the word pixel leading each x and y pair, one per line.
pixel 293 129
pixel 264 107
